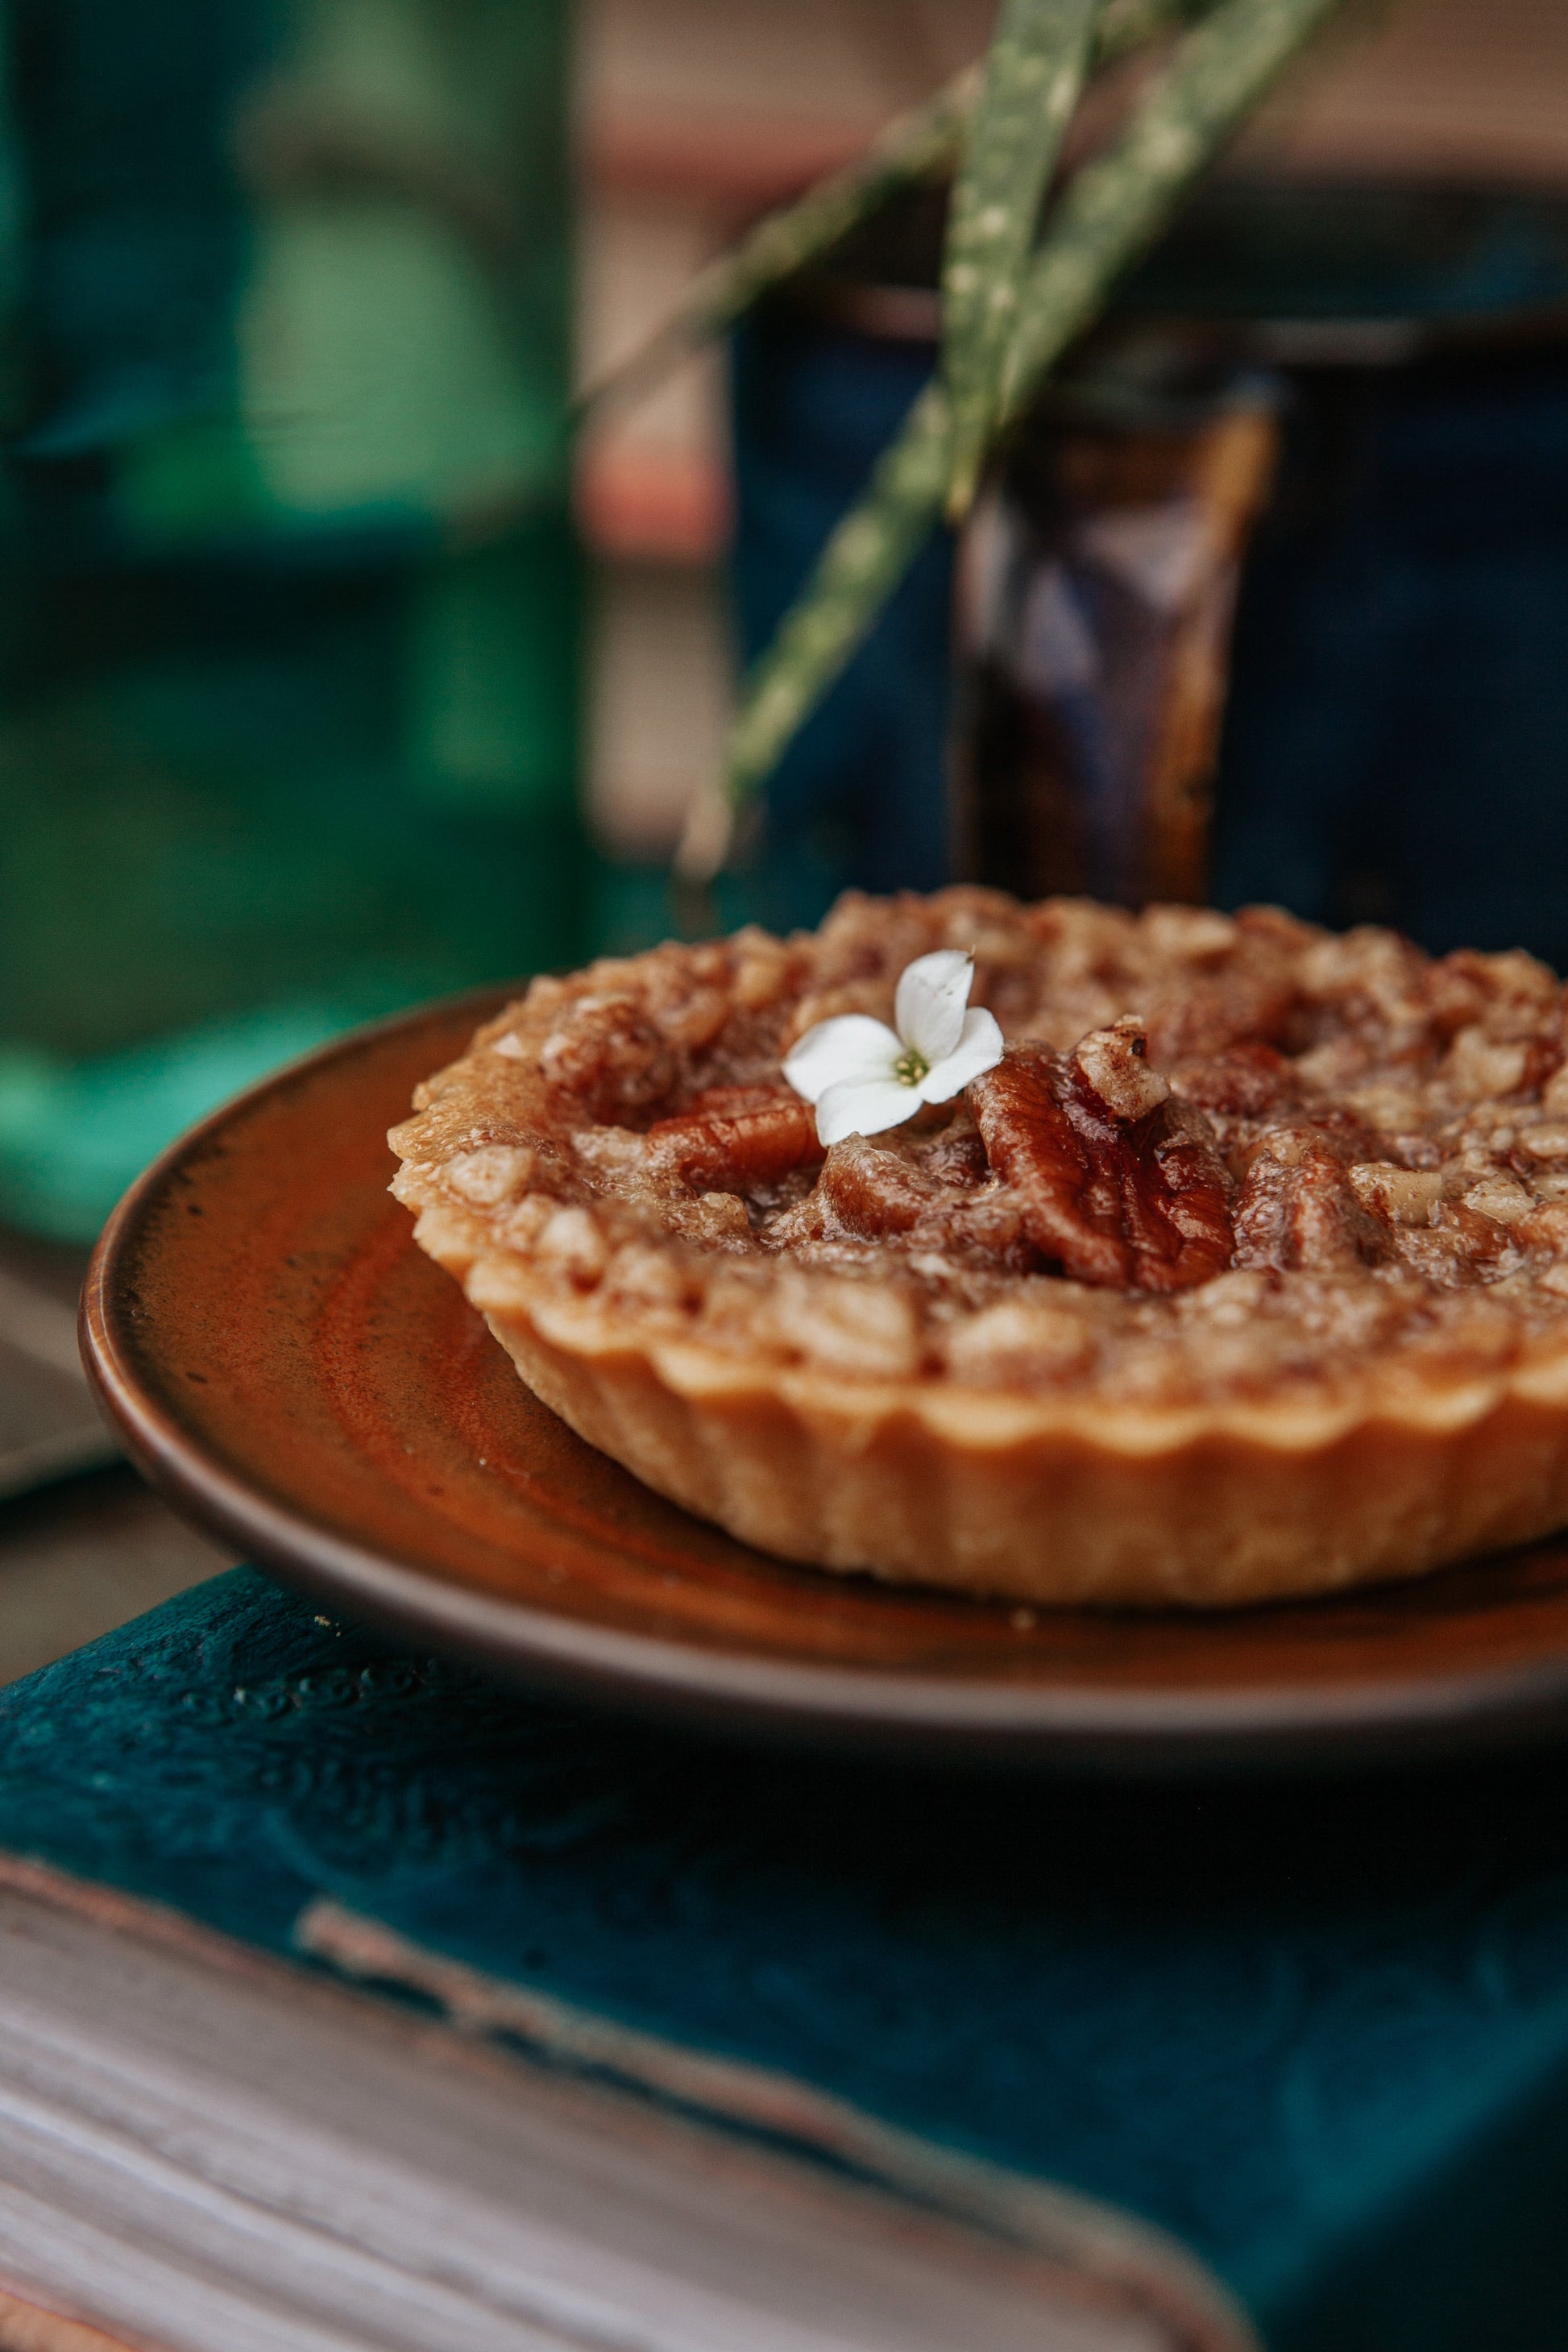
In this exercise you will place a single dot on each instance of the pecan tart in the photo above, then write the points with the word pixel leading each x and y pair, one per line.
pixel 1242 1272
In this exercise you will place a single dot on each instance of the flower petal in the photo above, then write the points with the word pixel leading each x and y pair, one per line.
pixel 929 1007
pixel 864 1106
pixel 850 1046
pixel 980 1047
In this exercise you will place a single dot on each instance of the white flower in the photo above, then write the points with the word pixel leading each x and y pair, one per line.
pixel 864 1076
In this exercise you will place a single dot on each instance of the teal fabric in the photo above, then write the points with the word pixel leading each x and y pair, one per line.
pixel 1320 2031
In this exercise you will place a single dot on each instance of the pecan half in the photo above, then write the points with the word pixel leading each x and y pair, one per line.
pixel 736 1138
pixel 935 1198
pixel 1135 1203
pixel 1298 1209
pixel 869 1191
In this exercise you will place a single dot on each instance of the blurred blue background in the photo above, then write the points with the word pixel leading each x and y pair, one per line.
pixel 1394 746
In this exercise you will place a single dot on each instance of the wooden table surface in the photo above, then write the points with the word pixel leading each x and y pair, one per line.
pixel 84 1544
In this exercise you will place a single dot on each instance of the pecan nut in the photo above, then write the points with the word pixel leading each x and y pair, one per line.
pixel 736 1138
pixel 1130 1204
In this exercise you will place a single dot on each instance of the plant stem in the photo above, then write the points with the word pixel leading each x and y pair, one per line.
pixel 1035 74
pixel 916 146
pixel 861 565
pixel 1110 210
pixel 913 147
pixel 1117 204
pixel 1126 25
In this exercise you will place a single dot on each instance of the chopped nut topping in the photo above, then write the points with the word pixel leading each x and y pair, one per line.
pixel 573 1242
pixel 1502 1198
pixel 1478 1068
pixel 495 1172
pixel 1114 1064
pixel 1305 1212
pixel 1219 1152
pixel 1407 1196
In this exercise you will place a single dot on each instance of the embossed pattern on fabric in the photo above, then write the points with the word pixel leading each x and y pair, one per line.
pixel 1265 2018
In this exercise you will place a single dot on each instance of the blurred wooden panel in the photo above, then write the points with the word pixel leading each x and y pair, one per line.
pixel 79 1558
pixel 1462 91
pixel 50 1427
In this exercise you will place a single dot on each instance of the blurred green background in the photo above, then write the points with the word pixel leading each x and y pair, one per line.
pixel 289 591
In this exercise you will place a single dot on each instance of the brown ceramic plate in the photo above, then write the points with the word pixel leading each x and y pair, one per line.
pixel 293 1372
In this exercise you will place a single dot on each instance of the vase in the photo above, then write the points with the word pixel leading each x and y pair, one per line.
pixel 1260 601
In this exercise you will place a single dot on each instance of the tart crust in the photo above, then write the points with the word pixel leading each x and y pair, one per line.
pixel 900 1360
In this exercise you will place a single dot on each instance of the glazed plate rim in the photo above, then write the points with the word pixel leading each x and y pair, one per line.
pixel 958 1717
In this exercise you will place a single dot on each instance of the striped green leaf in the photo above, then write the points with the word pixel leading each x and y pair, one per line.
pixel 862 563
pixel 1116 205
pixel 1113 207
pixel 916 146
pixel 1035 74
